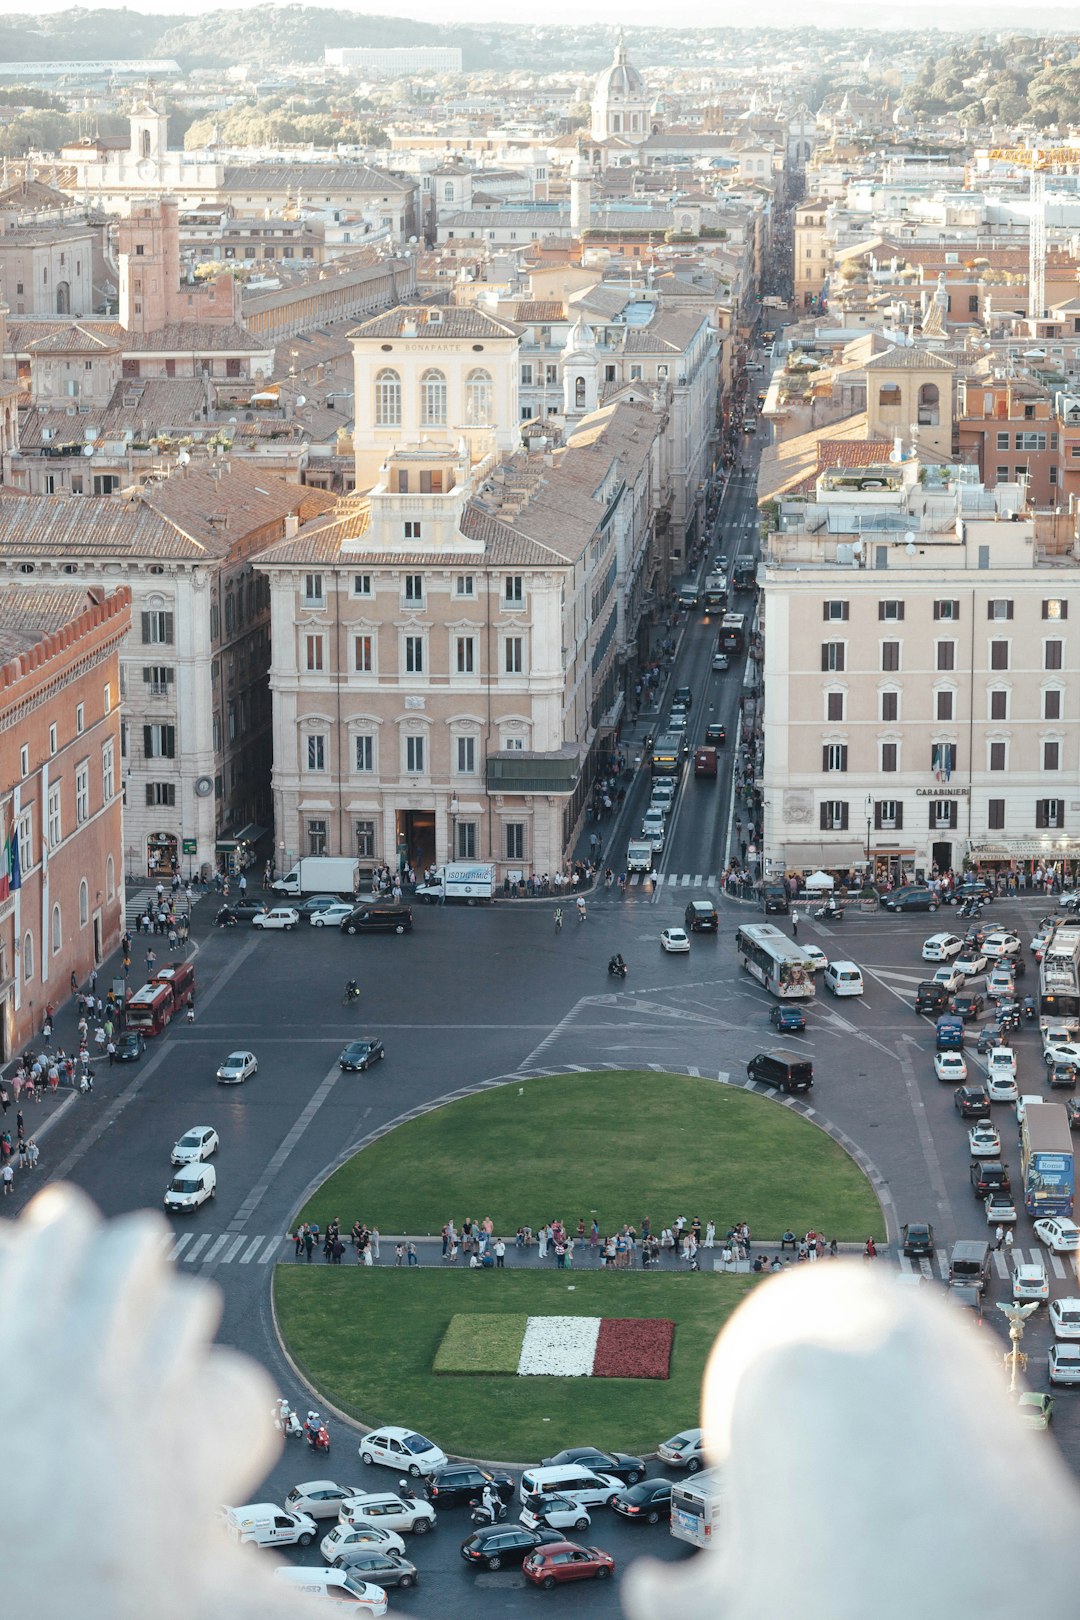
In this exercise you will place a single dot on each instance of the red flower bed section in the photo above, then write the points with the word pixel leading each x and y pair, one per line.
pixel 633 1347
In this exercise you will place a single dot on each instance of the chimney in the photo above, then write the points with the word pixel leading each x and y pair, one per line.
pixel 292 524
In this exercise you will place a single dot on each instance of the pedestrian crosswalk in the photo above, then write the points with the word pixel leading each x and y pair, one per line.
pixel 672 880
pixel 1002 1261
pixel 222 1248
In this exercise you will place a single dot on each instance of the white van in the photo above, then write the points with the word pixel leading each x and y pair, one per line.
pixel 570 1479
pixel 264 1524
pixel 844 979
pixel 336 1586
pixel 639 853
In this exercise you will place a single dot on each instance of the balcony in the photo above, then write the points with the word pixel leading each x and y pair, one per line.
pixel 521 771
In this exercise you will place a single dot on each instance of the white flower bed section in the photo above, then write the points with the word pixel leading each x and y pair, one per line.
pixel 559 1346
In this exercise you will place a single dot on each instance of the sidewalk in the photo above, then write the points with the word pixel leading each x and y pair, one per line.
pixel 585 1256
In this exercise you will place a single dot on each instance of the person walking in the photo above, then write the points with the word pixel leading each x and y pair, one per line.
pixel 33 1154
pixel 7 1175
pixel 411 1255
pixel 999 1236
pixel 869 1249
pixel 500 1254
pixel 794 925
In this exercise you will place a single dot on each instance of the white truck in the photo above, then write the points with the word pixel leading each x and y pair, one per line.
pixel 321 874
pixel 460 880
pixel 639 855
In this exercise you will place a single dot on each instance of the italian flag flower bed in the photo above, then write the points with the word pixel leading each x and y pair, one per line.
pixel 557 1346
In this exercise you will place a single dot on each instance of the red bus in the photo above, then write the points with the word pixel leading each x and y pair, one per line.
pixel 180 977
pixel 150 1009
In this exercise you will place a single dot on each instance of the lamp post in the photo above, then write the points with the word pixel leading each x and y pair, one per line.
pixel 1015 1359
pixel 453 825
pixel 869 816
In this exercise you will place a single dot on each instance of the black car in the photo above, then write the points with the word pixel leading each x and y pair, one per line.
pixel 910 900
pixel 777 899
pixel 501 1545
pixel 989 1037
pixel 239 911
pixel 918 1238
pixel 715 734
pixel 648 1501
pixel 1062 1075
pixel 362 1054
pixel 683 697
pixel 971 889
pixel 989 1176
pixel 458 1484
pixel 1072 1110
pixel 700 917
pixel 617 1463
pixel 931 997
pixel 377 920
pixel 384 1568
pixel 967 1004
pixel 971 1102
pixel 129 1046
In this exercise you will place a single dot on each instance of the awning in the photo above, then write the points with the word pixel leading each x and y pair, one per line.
pixel 247 835
pixel 820 880
pixel 811 857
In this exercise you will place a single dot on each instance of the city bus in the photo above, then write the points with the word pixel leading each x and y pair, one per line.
pixel 150 1009
pixel 775 961
pixel 716 597
pixel 695 1508
pixel 1046 1160
pixel 1059 976
pixel 732 637
pixel 744 576
pixel 667 756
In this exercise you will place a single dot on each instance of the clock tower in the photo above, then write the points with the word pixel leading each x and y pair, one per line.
pixel 149 139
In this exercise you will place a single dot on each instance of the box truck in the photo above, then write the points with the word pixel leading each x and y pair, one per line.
pixel 321 874
pixel 460 880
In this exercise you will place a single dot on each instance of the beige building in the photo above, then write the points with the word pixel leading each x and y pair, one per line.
pixel 812 250
pixel 920 682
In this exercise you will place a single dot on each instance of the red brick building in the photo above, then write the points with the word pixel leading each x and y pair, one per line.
pixel 1007 428
pixel 61 838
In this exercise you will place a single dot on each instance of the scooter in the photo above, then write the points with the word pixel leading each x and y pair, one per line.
pixel 318 1438
pixel 483 1516
pixel 829 914
pixel 226 918
pixel 617 969
pixel 1027 1007
pixel 286 1420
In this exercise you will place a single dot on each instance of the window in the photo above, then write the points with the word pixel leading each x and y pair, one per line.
pixel 160 793
pixel 110 879
pixel 361 585
pixel 943 760
pixel 999 609
pixel 834 706
pixel 513 590
pixel 316 836
pixel 466 841
pixel 365 840
pixel 888 813
pixel 315 745
pixel 466 756
pixel 834 757
pixel 1052 703
pixel 313 591
pixel 53 740
pixel 387 399
pixel 834 815
pixel 466 655
pixel 890 656
pixel 478 399
pixel 80 719
pixel 313 654
pixel 512 744
pixel 1055 609
pixel 999 655
pixel 513 655
pixel 158 678
pixel 834 610
pixel 526 374
pixel 414 590
pixel 514 840
pixel 1001 474
pixel 1051 756
pixel 157 628
pixel 1031 441
pixel 56 830
pixel 364 654
pixel 28 955
pixel 832 655
pixel 944 705
pixel 999 703
pixel 159 742
pixel 414 755
pixel 412 529
pixel 464 585
pixel 1002 440
pixel 946 654
pixel 364 752
pixel 997 756
pixel 943 814
pixel 890 753
pixel 24 760
pixel 946 610
pixel 57 931
pixel 433 399
pixel 1050 812
pixel 890 610
pixel 1052 654
pixel 995 815
pixel 82 793
pixel 414 655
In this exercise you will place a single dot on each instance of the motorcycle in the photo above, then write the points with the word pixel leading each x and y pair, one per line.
pixel 829 914
pixel 617 969
pixel 226 918
pixel 285 1420
pixel 317 1435
pixel 971 908
pixel 482 1515
pixel 1027 1007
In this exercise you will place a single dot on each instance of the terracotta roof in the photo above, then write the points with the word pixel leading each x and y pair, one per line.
pixel 22 334
pixel 539 310
pixel 434 321
pixel 789 464
pixel 29 613
pixel 75 339
pixel 194 337
pixel 311 177
pixel 908 360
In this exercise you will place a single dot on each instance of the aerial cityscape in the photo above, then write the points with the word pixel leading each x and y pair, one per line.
pixel 596 507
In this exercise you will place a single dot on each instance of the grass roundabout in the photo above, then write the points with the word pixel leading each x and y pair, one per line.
pixel 423 1346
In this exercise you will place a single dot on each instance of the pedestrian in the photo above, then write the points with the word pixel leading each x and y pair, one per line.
pixel 794 925
pixel 20 1131
pixel 337 1249
pixel 110 1050
pixel 500 1253
pixel 33 1154
pixel 373 1241
pixel 411 1255
pixel 869 1249
pixel 1009 1241
pixel 999 1236
pixel 7 1175
pixel 5 1100
pixel 399 1254
pixel 309 1243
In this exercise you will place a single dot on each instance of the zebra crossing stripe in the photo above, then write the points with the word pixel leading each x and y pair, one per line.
pixel 272 1250
pixel 1056 1267
pixel 175 1248
pixel 249 1252
pixel 216 1248
pixel 200 1244
pixel 1000 1266
pixel 234 1249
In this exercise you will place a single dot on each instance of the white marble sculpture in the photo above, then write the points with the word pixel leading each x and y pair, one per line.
pixel 874 1466
pixel 125 1429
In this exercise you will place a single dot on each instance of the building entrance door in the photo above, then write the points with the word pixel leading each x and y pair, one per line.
pixel 415 834
pixel 941 855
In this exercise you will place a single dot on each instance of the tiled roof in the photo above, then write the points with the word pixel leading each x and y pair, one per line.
pixel 29 613
pixel 539 310
pixel 193 337
pixel 793 462
pixel 909 360
pixel 432 321
pixel 309 178
pixel 21 334
pixel 75 339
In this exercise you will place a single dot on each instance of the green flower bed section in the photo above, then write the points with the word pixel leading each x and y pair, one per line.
pixel 481 1344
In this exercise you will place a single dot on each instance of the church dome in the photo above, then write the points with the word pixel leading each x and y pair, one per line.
pixel 621 81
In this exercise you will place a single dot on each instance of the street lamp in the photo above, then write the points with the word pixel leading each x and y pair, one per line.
pixel 453 825
pixel 869 816
pixel 1015 1359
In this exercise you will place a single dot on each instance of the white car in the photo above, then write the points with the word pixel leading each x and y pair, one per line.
pixel 198 1143
pixel 1063 1363
pixel 818 959
pixel 237 1067
pixel 1000 1210
pixel 662 796
pixel 336 1588
pixel 1001 1060
pixel 191 1186
pixel 1001 986
pixel 389 1511
pixel 1000 943
pixel 1060 1052
pixel 984 1141
pixel 344 1539
pixel 402 1449
pixel 280 917
pixel 1023 1102
pixel 1030 1281
pixel 971 962
pixel 654 837
pixel 1065 1317
pixel 719 663
pixel 950 1066
pixel 949 976
pixel 320 1498
pixel 1001 1088
pixel 942 947
pixel 1059 1233
pixel 554 1513
pixel 331 916
pixel 675 939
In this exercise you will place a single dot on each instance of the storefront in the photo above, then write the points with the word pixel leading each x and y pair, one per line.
pixel 1053 854
pixel 161 855
pixel 236 851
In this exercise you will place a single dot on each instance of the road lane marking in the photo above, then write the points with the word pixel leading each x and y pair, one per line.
pixel 200 1244
pixel 179 1245
pixel 272 1248
pixel 219 1244
pixel 234 1249
pixel 249 1252
pixel 307 1114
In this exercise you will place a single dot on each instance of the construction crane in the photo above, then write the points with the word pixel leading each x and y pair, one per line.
pixel 1037 159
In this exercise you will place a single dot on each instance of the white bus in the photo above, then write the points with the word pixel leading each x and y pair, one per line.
pixel 1059 975
pixel 695 1508
pixel 775 961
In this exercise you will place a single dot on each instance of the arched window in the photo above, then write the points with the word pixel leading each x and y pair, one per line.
pixel 144 143
pixel 84 903
pixel 448 191
pixel 579 393
pixel 388 399
pixel 433 399
pixel 929 400
pixel 57 930
pixel 478 410
pixel 28 956
pixel 110 879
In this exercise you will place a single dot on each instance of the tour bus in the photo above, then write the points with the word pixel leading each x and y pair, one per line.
pixel 716 597
pixel 695 1508
pixel 732 633
pixel 1059 976
pixel 150 1009
pixel 775 961
pixel 1046 1160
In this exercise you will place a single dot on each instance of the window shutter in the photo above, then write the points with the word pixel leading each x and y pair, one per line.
pixel 881 610
pixel 877 814
pixel 145 627
pixel 825 614
pixel 824 818
pixel 937 610
pixel 147 674
pixel 147 741
pixel 825 757
pixel 825 655
pixel 843 757
pixel 989 610
pixel 843 816
pixel 899 816
pixel 1008 610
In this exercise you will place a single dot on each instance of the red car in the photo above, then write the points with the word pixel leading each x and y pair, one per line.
pixel 566 1561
